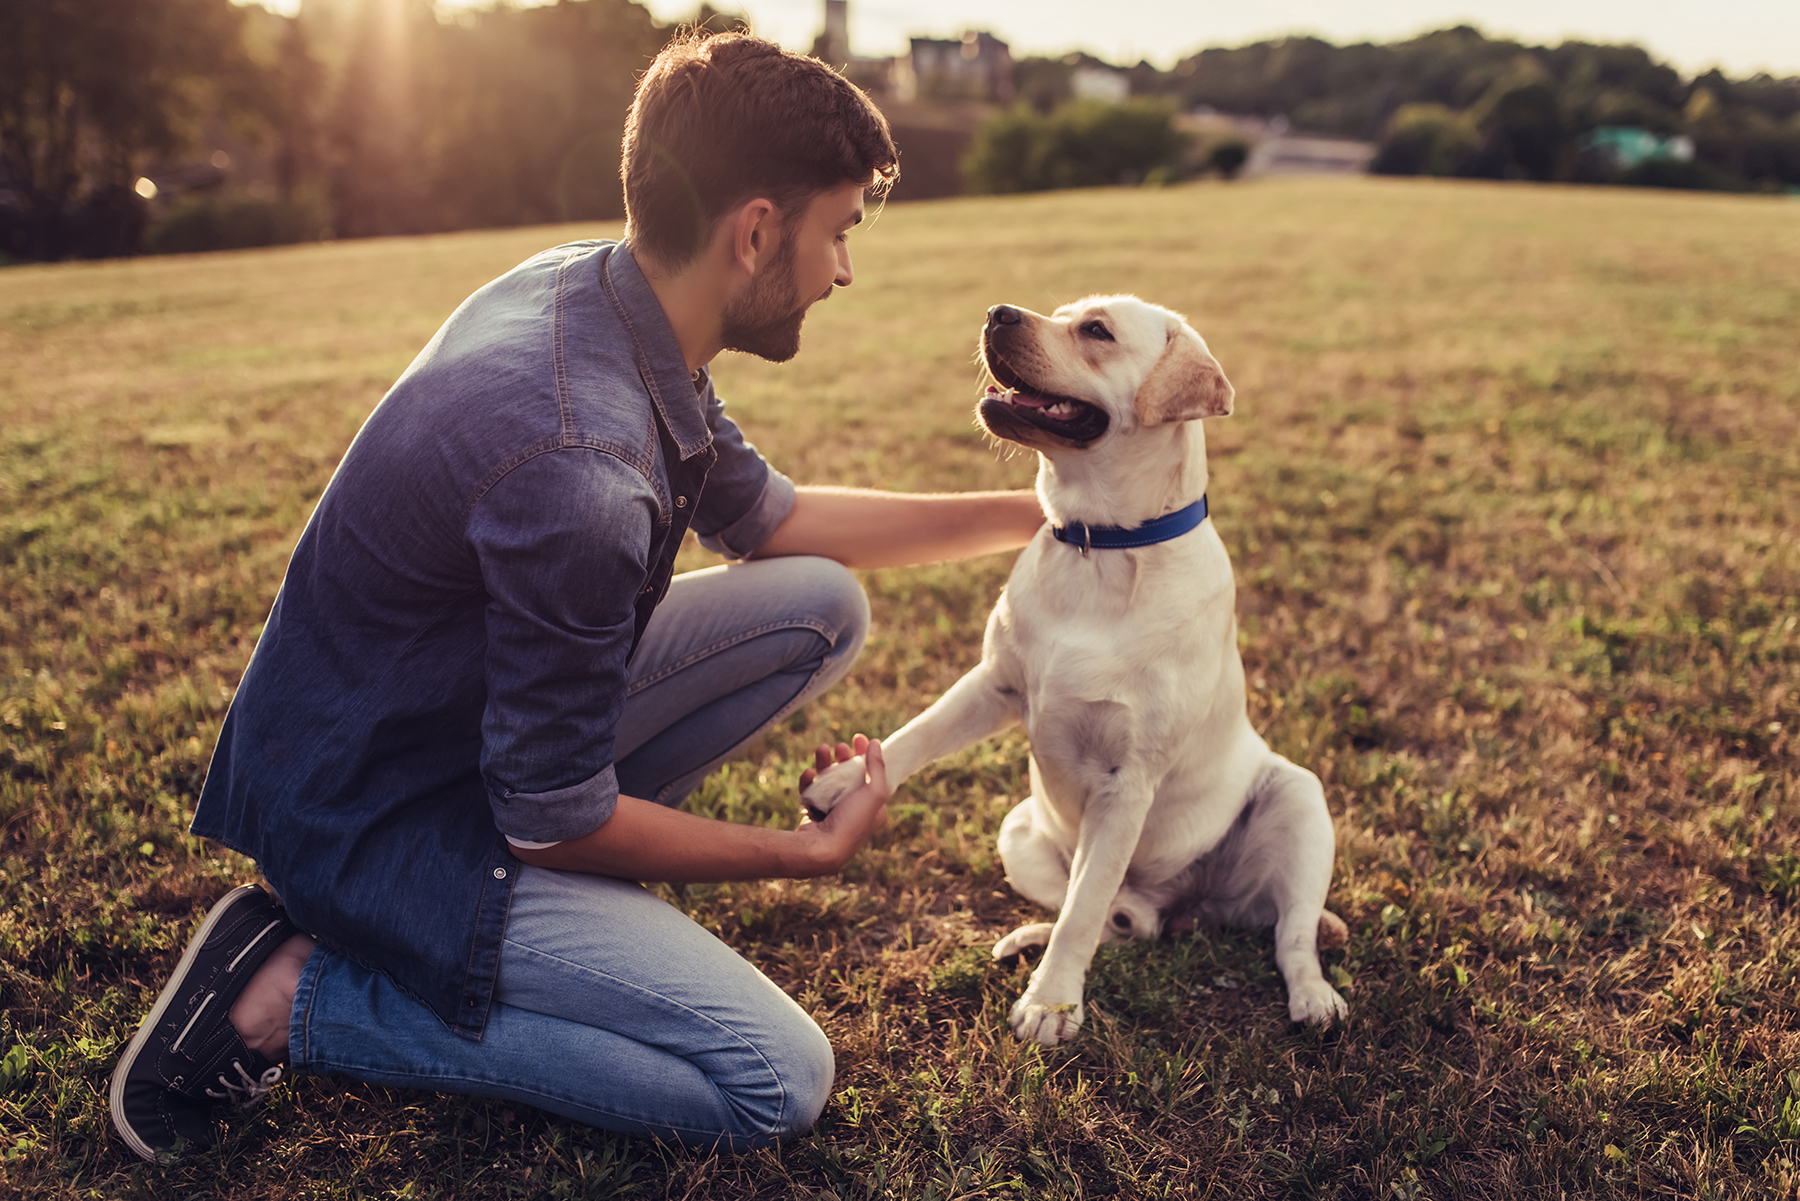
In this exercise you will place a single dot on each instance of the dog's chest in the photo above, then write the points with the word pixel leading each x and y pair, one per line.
pixel 1145 637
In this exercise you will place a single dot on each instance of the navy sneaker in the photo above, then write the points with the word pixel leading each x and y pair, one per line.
pixel 187 1058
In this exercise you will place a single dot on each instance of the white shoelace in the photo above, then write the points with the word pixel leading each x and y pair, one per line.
pixel 249 1089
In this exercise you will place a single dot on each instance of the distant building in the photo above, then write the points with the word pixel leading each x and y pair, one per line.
pixel 1089 82
pixel 1278 149
pixel 834 43
pixel 1290 153
pixel 873 75
pixel 977 66
pixel 935 96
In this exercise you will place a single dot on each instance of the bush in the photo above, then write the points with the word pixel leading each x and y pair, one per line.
pixel 220 224
pixel 1524 133
pixel 1427 139
pixel 1228 157
pixel 106 223
pixel 1083 144
pixel 1672 173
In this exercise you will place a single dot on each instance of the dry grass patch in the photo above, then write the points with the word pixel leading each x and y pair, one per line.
pixel 1510 493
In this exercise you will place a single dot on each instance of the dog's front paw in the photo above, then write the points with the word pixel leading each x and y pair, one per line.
pixel 833 785
pixel 1049 1024
pixel 1316 1003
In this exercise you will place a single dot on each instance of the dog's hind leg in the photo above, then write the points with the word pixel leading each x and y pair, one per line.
pixel 1285 860
pixel 1031 934
pixel 1035 865
pixel 1133 916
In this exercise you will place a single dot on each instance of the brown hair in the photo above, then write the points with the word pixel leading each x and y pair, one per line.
pixel 724 119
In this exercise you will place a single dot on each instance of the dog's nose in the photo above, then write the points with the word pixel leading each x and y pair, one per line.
pixel 1003 314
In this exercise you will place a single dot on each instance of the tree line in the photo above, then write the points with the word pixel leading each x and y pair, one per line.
pixel 370 116
pixel 1455 102
pixel 388 117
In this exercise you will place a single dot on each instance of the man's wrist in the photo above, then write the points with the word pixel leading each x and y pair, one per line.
pixel 807 854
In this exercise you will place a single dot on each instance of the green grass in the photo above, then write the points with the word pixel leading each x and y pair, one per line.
pixel 1510 491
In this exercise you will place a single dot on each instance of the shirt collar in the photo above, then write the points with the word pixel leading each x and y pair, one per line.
pixel 679 397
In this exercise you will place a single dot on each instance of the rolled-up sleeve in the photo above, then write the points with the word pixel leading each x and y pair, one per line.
pixel 562 540
pixel 745 499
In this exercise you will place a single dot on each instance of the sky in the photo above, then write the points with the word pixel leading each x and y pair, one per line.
pixel 1742 36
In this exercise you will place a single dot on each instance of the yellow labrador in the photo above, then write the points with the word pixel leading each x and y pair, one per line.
pixel 1115 642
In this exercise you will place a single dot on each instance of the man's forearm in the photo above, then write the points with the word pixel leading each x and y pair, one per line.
pixel 646 841
pixel 862 528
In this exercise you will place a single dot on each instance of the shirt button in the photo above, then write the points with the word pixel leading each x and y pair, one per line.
pixel 681 502
pixel 499 873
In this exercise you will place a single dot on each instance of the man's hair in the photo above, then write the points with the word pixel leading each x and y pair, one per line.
pixel 724 119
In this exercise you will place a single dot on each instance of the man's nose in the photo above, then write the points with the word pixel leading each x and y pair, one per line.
pixel 1003 314
pixel 845 273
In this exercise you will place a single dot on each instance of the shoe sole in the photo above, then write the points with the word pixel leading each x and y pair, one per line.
pixel 132 1049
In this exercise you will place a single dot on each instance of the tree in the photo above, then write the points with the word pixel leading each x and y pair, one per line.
pixel 503 116
pixel 89 91
pixel 541 128
pixel 373 136
pixel 1427 139
pixel 1043 83
pixel 296 79
pixel 1524 133
pixel 1083 144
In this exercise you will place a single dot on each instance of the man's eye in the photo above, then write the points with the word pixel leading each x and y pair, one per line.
pixel 1094 329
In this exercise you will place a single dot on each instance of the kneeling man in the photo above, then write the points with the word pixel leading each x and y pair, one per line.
pixel 480 697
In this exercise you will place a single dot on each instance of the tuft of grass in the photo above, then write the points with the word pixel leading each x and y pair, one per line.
pixel 1510 494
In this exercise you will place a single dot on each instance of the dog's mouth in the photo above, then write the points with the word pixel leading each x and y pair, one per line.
pixel 1012 409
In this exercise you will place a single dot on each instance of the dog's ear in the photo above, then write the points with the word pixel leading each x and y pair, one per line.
pixel 1185 383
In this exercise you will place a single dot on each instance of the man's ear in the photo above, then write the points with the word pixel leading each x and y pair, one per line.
pixel 754 232
pixel 1185 383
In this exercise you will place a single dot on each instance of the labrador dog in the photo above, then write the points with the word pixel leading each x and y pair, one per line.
pixel 1152 799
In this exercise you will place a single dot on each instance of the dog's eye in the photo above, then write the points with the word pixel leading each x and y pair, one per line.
pixel 1094 329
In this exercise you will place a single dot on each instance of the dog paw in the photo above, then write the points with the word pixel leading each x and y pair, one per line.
pixel 1316 1003
pixel 1032 934
pixel 833 785
pixel 1045 1024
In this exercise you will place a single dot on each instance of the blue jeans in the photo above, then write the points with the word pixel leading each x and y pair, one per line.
pixel 612 1007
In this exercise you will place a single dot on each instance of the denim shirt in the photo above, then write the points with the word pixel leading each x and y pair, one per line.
pixel 445 662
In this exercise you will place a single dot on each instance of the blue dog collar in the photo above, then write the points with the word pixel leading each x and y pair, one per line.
pixel 1116 537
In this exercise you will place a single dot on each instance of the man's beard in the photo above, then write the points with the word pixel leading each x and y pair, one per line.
pixel 765 321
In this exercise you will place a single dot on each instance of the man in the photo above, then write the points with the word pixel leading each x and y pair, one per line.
pixel 479 696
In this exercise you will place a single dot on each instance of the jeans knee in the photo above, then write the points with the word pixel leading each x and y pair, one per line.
pixel 809 1074
pixel 836 598
pixel 803 1067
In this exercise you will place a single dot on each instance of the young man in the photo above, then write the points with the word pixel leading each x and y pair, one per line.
pixel 479 696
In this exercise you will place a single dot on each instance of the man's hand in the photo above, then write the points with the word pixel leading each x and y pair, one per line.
pixel 838 834
pixel 645 841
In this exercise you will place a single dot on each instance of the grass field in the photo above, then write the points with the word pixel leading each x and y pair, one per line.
pixel 1511 491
